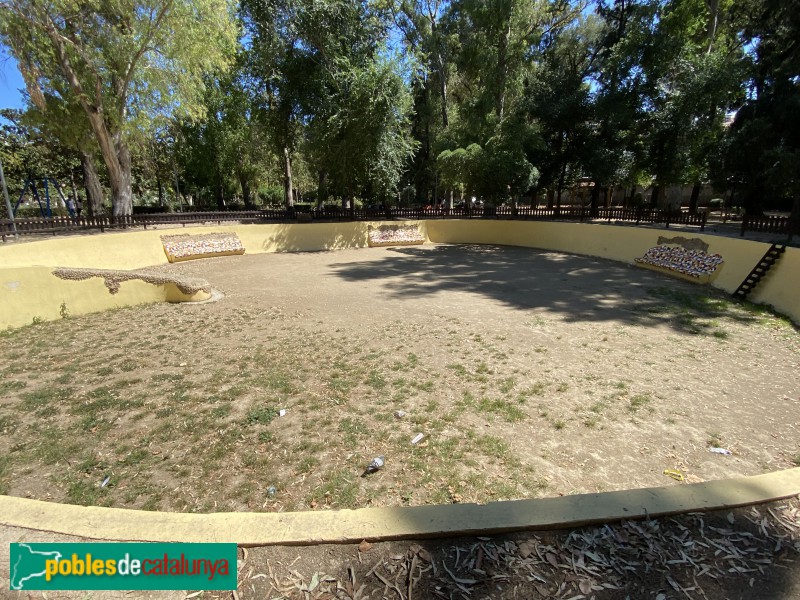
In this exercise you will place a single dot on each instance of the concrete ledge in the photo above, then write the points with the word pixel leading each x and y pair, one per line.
pixel 347 526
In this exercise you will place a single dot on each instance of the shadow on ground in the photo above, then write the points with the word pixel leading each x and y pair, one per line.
pixel 577 288
pixel 745 554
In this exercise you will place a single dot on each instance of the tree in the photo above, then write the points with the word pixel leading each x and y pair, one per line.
pixel 761 152
pixel 556 98
pixel 127 64
pixel 32 152
pixel 694 75
pixel 63 124
pixel 429 47
pixel 614 152
pixel 322 86
pixel 361 134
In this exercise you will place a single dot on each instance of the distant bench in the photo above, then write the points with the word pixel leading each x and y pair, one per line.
pixel 188 247
pixel 395 235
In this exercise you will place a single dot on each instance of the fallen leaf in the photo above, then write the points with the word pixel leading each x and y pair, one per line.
pixel 364 546
pixel 525 550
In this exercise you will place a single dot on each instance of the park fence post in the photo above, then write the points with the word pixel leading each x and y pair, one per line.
pixel 8 202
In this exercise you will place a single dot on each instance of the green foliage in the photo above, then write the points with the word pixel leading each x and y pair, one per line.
pixel 128 65
pixel 497 100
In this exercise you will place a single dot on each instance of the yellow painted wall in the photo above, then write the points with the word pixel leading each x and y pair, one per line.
pixel 111 250
pixel 137 249
pixel 28 292
pixel 780 289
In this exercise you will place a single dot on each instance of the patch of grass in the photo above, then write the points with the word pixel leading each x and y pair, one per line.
pixel 591 422
pixel 221 411
pixel 340 384
pixel 376 380
pixel 56 446
pixel 354 429
pixel 5 470
pixel 84 492
pixel 458 369
pixel 639 401
pixel 559 424
pixel 7 422
pixel 99 400
pixel 339 489
pixel 135 457
pixel 535 389
pixel 162 377
pixel 11 386
pixel 490 445
pixel 424 386
pixel 276 381
pixel 503 408
pixel 483 368
pixel 714 439
pixel 44 396
pixel 261 415
pixel 47 411
pixel 508 384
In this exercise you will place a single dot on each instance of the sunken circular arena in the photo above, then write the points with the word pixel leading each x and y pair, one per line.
pixel 484 361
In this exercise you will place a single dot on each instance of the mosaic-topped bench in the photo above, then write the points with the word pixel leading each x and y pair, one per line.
pixel 687 261
pixel 187 247
pixel 395 235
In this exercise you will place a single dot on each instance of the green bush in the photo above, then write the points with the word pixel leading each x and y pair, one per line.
pixel 271 195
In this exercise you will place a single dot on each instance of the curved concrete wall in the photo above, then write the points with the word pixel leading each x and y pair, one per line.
pixel 780 288
pixel 28 289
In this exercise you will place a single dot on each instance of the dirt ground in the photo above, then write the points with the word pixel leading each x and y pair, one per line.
pixel 529 374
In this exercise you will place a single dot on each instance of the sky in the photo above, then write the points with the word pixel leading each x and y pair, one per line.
pixel 10 81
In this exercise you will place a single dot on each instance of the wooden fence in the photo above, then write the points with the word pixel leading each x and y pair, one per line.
pixel 770 224
pixel 65 224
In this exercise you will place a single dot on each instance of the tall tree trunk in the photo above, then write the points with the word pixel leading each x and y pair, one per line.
pixel 75 200
pixel 561 178
pixel 443 94
pixel 551 194
pixel 657 196
pixel 693 201
pixel 713 22
pixel 441 69
pixel 502 70
pixel 287 178
pixel 247 195
pixel 161 201
pixel 219 193
pixel 595 200
pixel 321 189
pixel 121 190
pixel 112 147
pixel 91 183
